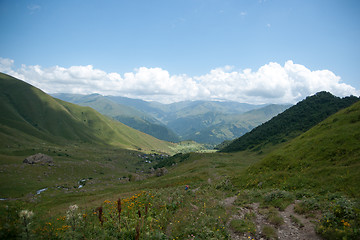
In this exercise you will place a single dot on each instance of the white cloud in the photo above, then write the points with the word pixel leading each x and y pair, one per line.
pixel 271 83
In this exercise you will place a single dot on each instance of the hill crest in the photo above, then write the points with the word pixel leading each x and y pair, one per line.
pixel 292 122
pixel 28 110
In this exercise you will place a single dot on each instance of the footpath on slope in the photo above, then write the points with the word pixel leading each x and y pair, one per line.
pixel 302 229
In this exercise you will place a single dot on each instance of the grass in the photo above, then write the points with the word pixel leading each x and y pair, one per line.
pixel 269 232
pixel 243 226
pixel 274 177
pixel 273 216
pixel 165 213
pixel 296 221
pixel 103 167
pixel 29 113
pixel 190 213
pixel 326 153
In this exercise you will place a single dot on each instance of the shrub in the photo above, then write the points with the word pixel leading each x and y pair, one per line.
pixel 269 232
pixel 243 226
pixel 273 217
pixel 307 205
pixel 341 220
pixel 279 199
pixel 225 185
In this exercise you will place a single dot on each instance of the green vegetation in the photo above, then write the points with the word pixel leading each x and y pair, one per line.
pixel 269 232
pixel 243 226
pixel 162 214
pixel 103 184
pixel 122 113
pixel 273 216
pixel 202 121
pixel 214 128
pixel 327 153
pixel 292 122
pixel 29 113
pixel 341 220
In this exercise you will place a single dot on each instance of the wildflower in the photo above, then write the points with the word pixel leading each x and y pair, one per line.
pixel 346 224
pixel 73 208
pixel 26 214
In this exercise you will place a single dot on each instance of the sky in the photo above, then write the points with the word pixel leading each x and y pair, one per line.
pixel 253 51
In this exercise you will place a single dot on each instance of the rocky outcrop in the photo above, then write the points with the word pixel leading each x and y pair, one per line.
pixel 161 172
pixel 39 158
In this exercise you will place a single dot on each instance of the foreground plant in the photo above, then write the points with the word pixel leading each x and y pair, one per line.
pixel 341 220
pixel 25 216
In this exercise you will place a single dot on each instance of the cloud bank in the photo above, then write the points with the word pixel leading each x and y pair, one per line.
pixel 271 83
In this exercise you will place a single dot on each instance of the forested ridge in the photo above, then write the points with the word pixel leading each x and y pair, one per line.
pixel 292 122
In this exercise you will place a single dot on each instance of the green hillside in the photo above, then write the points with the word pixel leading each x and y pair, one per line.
pixel 292 122
pixel 325 159
pixel 28 111
pixel 304 185
pixel 207 122
pixel 297 186
pixel 125 114
pixel 225 127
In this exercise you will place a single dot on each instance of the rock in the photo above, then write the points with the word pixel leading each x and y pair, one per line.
pixel 39 158
pixel 161 172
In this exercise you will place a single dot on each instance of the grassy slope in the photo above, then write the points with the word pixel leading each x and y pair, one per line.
pixel 326 153
pixel 325 158
pixel 292 122
pixel 28 110
pixel 127 115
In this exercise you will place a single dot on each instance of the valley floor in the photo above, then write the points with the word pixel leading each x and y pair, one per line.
pixel 121 201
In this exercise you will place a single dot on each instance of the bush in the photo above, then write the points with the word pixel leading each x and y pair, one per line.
pixel 248 196
pixel 225 185
pixel 307 205
pixel 341 220
pixel 274 217
pixel 269 232
pixel 243 226
pixel 279 199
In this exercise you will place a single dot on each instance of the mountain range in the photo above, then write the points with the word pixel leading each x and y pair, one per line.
pixel 208 122
pixel 304 161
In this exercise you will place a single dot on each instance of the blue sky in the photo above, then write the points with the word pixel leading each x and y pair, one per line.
pixel 184 42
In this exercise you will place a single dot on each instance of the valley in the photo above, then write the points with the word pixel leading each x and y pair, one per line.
pixel 292 176
pixel 206 122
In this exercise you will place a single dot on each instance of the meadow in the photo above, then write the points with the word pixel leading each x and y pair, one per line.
pixel 108 181
pixel 151 207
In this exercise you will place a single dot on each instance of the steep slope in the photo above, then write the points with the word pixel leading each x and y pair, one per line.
pixel 325 158
pixel 292 122
pixel 125 114
pixel 29 111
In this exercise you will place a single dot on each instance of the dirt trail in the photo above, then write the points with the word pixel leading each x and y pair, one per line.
pixel 292 230
pixel 300 229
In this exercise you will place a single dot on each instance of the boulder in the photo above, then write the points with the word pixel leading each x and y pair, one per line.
pixel 39 158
